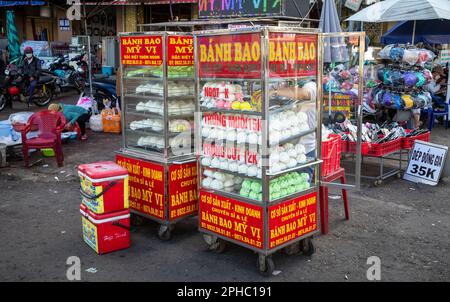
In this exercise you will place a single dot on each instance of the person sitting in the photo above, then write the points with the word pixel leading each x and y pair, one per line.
pixel 73 114
pixel 30 68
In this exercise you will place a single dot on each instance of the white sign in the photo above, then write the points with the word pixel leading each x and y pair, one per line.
pixel 353 4
pixel 445 56
pixel 426 163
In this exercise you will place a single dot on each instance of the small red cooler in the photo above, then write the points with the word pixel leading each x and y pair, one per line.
pixel 107 232
pixel 104 187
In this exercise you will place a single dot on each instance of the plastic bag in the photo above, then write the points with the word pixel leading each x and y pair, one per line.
pixel 411 56
pixel 384 53
pixel 85 102
pixel 20 117
pixel 96 123
pixel 111 120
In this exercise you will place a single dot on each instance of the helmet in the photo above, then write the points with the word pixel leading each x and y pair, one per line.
pixel 421 79
pixel 398 104
pixel 409 102
pixel 410 79
pixel 396 78
pixel 13 90
pixel 387 99
pixel 28 49
pixel 396 54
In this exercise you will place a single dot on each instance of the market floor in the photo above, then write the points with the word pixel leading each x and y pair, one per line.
pixel 404 224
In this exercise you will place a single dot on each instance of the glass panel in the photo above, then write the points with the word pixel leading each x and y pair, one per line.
pixel 143 96
pixel 342 84
pixel 292 122
pixel 230 102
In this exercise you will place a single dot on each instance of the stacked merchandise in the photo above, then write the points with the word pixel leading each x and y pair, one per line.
pixel 104 209
pixel 378 140
pixel 402 81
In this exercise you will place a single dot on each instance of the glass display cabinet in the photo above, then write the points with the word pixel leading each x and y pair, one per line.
pixel 258 138
pixel 158 101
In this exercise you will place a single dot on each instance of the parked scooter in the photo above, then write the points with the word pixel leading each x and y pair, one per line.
pixel 67 76
pixel 104 92
pixel 10 89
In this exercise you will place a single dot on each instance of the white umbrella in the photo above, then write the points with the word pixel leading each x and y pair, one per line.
pixel 403 10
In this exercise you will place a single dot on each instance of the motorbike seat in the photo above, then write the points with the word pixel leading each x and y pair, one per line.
pixel 105 81
pixel 44 79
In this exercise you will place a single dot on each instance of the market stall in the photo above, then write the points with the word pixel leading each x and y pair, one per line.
pixel 158 93
pixel 259 138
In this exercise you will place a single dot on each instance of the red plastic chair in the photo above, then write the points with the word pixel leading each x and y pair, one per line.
pixel 50 124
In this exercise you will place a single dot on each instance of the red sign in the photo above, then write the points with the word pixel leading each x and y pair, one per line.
pixel 141 50
pixel 180 51
pixel 146 186
pixel 292 219
pixel 292 55
pixel 233 219
pixel 183 199
pixel 230 56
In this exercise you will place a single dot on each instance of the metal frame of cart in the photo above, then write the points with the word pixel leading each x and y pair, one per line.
pixel 216 241
pixel 158 156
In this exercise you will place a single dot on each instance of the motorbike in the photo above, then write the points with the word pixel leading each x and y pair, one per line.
pixel 67 76
pixel 13 83
pixel 104 92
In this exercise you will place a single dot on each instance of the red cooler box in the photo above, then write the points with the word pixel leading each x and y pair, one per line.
pixel 104 187
pixel 107 232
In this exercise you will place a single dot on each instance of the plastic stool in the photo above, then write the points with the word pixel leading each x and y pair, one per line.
pixel 323 195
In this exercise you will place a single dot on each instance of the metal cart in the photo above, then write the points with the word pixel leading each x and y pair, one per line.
pixel 248 195
pixel 158 93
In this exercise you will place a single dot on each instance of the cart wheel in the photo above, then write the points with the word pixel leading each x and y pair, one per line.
pixel 219 247
pixel 308 247
pixel 293 249
pixel 164 233
pixel 399 175
pixel 136 220
pixel 377 182
pixel 215 244
pixel 265 265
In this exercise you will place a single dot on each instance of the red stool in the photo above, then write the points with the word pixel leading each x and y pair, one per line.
pixel 323 193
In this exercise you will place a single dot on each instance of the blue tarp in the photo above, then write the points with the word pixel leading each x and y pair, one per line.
pixel 427 31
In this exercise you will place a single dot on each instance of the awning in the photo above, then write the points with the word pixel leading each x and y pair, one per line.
pixel 145 2
pixel 16 3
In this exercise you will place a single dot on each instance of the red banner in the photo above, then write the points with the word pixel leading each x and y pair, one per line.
pixel 292 55
pixel 180 51
pixel 230 56
pixel 292 219
pixel 146 186
pixel 141 50
pixel 232 219
pixel 183 198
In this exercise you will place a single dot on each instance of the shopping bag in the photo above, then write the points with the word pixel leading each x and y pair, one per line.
pixel 111 120
pixel 96 123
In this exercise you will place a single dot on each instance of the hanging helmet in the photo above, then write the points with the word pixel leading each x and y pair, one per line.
pixel 410 79
pixel 387 77
pixel 428 75
pixel 387 99
pixel 396 54
pixel 409 103
pixel 380 74
pixel 398 103
pixel 396 78
pixel 420 79
pixel 424 56
pixel 410 56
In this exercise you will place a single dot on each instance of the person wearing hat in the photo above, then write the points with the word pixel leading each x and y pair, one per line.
pixel 30 68
pixel 73 114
